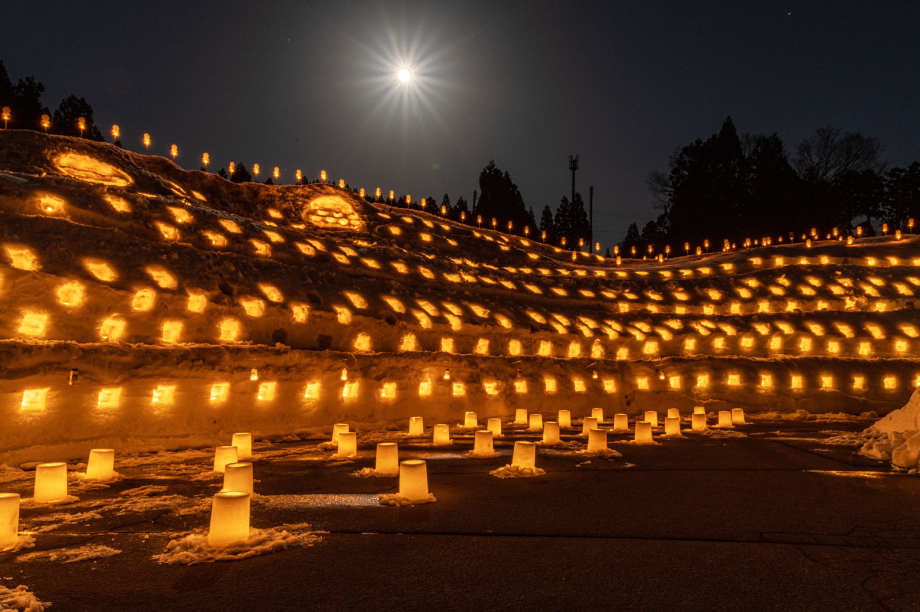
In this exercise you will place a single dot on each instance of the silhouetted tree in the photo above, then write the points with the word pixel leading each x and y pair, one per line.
pixel 222 173
pixel 241 175
pixel 461 207
pixel 65 119
pixel 500 198
pixel 857 194
pixel 902 195
pixel 548 225
pixel 830 152
pixel 445 202
pixel 632 239
pixel 268 181
pixel 26 106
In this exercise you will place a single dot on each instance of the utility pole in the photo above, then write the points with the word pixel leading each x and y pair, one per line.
pixel 573 166
pixel 591 217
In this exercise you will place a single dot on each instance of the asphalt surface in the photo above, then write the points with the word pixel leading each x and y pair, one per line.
pixel 776 520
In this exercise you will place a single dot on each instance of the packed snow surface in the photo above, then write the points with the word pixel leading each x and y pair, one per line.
pixel 21 599
pixel 194 548
pixel 395 499
pixel 71 555
pixel 514 471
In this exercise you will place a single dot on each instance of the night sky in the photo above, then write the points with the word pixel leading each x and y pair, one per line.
pixel 312 85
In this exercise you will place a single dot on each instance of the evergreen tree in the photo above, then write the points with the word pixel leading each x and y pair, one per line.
pixel 268 181
pixel 7 93
pixel 445 203
pixel 631 240
pixel 26 107
pixel 461 207
pixel 548 225
pixel 858 194
pixel 500 198
pixel 902 196
pixel 65 119
pixel 241 175
pixel 222 173
pixel 561 223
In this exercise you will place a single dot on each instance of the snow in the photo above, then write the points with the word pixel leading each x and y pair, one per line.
pixel 61 519
pixel 71 555
pixel 30 502
pixel 395 499
pixel 896 437
pixel 22 542
pixel 21 599
pixel 473 455
pixel 514 471
pixel 194 548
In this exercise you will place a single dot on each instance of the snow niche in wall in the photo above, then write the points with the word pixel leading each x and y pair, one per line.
pixel 331 211
pixel 86 168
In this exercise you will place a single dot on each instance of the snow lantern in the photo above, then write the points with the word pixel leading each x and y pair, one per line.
pixel 536 422
pixel 337 429
pixel 50 482
pixel 495 426
pixel 483 443
pixel 413 480
pixel 643 432
pixel 238 477
pixel 224 455
pixel 243 444
pixel 699 410
pixel 725 418
pixel 441 434
pixel 598 413
pixel 652 417
pixel 174 151
pixel 101 464
pixel 551 433
pixel 416 426
pixel 520 416
pixel 229 518
pixel 672 426
pixel 348 444
pixel 587 424
pixel 621 422
pixel 387 458
pixel 9 519
pixel 565 418
pixel 698 422
pixel 673 413
pixel 470 420
pixel 738 415
pixel 525 455
pixel 597 440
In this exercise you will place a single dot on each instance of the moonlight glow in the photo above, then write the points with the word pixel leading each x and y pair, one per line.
pixel 404 75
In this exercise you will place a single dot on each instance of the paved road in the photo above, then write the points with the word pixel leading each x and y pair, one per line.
pixel 772 521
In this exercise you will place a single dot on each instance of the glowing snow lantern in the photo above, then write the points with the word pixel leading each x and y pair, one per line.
pixel 5 115
pixel 698 421
pixel 298 176
pixel 520 416
pixel 416 426
pixel 470 420
pixel 483 443
pixel 387 459
pixel 551 433
pixel 524 456
pixel 9 519
pixel 565 418
pixel 101 464
pixel 81 124
pixel 441 435
pixel 897 234
pixel 276 173
pixel 361 193
pixel 536 422
pixel 229 518
pixel 672 426
pixel 341 183
pixel 224 455
pixel 643 432
pixel 337 429
pixel 587 424
pixel 597 440
pixel 322 175
pixel 255 169
pixel 254 374
pixel 725 418
pixel 232 167
pixel 413 480
pixel 146 142
pixel 495 426
pixel 849 240
pixel 348 445
pixel 174 151
pixel 238 477
pixel 392 195
pixel 598 413
pixel 46 122
pixel 50 482
pixel 885 229
pixel 243 444
pixel 738 415
pixel 620 422
pixel 673 413
pixel 652 417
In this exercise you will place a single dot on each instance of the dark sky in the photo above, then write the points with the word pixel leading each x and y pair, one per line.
pixel 311 85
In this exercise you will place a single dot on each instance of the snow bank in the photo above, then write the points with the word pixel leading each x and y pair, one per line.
pixel 896 437
pixel 514 471
pixel 194 548
pixel 22 542
pixel 71 555
pixel 395 499
pixel 21 600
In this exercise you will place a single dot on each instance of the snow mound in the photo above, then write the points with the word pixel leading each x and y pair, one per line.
pixel 902 419
pixel 604 452
pixel 21 599
pixel 395 499
pixel 372 473
pixel 10 474
pixel 31 503
pixel 721 433
pixel 473 455
pixel 61 518
pixel 194 548
pixel 513 471
pixel 72 555
pixel 22 542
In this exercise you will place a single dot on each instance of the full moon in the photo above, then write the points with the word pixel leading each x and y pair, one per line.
pixel 404 75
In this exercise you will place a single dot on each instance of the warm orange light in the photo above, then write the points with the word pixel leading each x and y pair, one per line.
pixel 255 169
pixel 146 140
pixel 174 151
